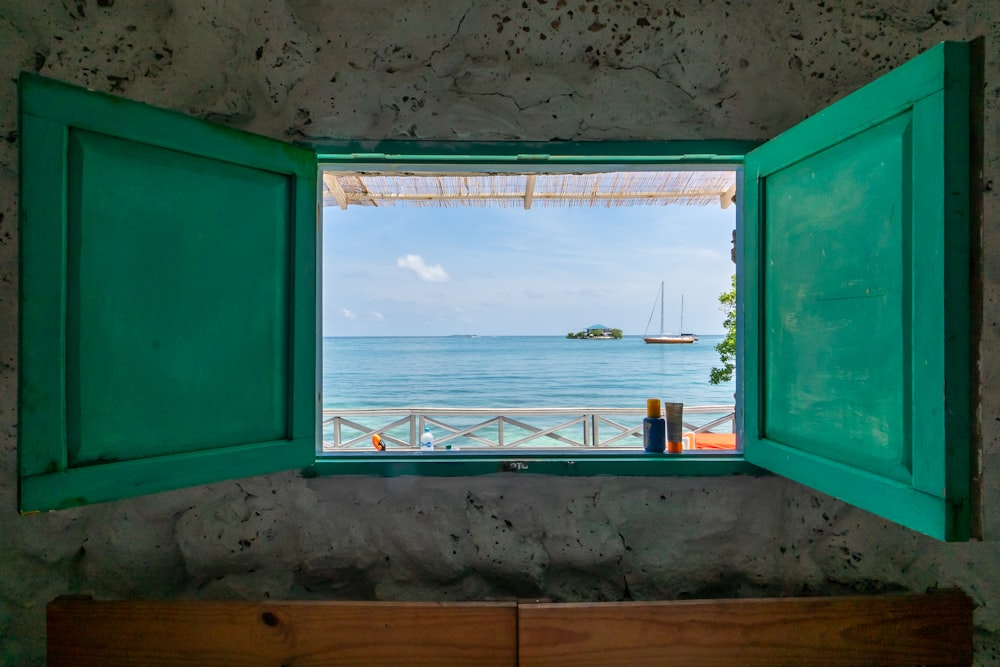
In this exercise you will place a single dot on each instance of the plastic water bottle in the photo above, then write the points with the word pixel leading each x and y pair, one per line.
pixel 427 440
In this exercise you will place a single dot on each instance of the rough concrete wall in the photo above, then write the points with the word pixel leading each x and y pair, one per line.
pixel 534 70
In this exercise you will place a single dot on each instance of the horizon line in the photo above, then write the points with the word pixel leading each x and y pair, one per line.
pixel 476 335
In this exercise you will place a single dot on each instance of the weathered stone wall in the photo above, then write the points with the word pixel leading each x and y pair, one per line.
pixel 534 70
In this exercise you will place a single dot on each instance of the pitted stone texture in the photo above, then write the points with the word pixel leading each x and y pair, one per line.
pixel 586 553
pixel 668 525
pixel 129 553
pixel 252 525
pixel 532 70
pixel 557 70
pixel 695 71
pixel 341 552
pixel 251 585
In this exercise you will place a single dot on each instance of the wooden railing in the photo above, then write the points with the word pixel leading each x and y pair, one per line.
pixel 505 428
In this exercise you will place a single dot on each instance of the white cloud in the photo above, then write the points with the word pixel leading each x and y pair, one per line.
pixel 378 316
pixel 349 314
pixel 415 263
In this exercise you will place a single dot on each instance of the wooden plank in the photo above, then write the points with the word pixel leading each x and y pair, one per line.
pixel 529 191
pixel 333 185
pixel 727 198
pixel 85 632
pixel 548 196
pixel 934 629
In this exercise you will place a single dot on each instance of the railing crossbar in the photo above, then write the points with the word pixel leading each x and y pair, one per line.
pixel 626 431
pixel 537 432
pixel 367 432
pixel 590 418
pixel 456 432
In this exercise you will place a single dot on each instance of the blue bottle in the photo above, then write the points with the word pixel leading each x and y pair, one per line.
pixel 654 428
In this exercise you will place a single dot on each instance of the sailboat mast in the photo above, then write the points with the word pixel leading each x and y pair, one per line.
pixel 682 315
pixel 661 307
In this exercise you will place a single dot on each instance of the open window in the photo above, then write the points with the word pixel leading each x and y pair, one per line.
pixel 168 298
pixel 510 255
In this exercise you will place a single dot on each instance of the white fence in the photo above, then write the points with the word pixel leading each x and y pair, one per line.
pixel 505 428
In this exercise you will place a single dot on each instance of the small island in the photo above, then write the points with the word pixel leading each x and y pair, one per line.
pixel 596 332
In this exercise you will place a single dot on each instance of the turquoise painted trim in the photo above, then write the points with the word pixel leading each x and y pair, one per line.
pixel 585 464
pixel 740 372
pixel 150 125
pixel 126 479
pixel 927 274
pixel 962 92
pixel 749 302
pixel 884 497
pixel 461 155
pixel 42 296
pixel 304 299
pixel 893 93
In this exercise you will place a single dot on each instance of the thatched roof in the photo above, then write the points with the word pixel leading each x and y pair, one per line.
pixel 608 189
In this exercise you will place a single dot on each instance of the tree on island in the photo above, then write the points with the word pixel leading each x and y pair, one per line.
pixel 584 335
pixel 727 347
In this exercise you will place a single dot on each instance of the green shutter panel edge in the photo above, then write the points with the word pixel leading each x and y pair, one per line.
pixel 168 287
pixel 857 355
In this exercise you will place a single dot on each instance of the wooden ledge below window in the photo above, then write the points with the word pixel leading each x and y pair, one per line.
pixel 930 629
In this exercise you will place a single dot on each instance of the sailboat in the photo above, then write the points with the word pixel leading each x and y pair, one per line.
pixel 668 339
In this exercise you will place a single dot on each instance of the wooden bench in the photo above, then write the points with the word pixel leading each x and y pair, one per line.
pixel 932 629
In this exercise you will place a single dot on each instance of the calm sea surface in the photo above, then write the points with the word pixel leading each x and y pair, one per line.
pixel 517 372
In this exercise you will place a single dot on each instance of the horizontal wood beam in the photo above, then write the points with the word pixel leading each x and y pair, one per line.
pixel 84 632
pixel 479 196
pixel 891 630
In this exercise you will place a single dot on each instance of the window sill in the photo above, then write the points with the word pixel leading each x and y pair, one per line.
pixel 577 464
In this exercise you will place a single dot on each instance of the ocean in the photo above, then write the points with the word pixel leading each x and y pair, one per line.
pixel 517 372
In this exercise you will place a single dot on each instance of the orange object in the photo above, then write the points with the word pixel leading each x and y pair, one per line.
pixel 675 426
pixel 377 441
pixel 715 441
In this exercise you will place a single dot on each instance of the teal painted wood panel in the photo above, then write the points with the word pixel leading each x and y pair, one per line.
pixel 521 156
pixel 168 300
pixel 182 295
pixel 835 307
pixel 855 298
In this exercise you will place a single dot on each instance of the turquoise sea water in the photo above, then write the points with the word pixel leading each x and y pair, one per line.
pixel 517 372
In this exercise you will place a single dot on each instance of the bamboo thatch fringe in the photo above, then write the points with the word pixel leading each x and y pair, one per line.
pixel 609 189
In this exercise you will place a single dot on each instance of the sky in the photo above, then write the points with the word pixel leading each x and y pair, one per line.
pixel 409 271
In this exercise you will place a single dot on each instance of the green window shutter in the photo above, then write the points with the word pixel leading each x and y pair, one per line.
pixel 167 300
pixel 855 297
